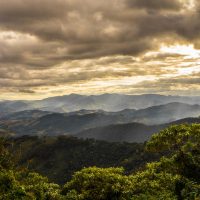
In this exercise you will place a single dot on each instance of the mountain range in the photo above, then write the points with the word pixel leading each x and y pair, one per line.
pixel 106 102
pixel 129 125
pixel 131 132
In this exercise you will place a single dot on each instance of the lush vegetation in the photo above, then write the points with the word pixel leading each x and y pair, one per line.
pixel 59 157
pixel 174 176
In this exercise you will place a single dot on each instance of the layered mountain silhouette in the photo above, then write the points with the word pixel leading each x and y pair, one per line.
pixel 127 125
pixel 166 113
pixel 107 102
pixel 24 115
pixel 132 132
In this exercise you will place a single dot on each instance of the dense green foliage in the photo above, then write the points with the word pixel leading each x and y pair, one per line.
pixel 59 157
pixel 175 176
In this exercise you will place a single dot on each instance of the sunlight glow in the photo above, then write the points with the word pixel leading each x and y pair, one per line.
pixel 189 70
pixel 186 50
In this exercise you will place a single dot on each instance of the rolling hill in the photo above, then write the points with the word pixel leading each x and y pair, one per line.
pixel 59 157
pixel 107 102
pixel 132 132
pixel 24 115
pixel 166 113
pixel 98 123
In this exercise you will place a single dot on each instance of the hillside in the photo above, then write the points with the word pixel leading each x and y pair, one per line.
pixel 24 115
pixel 59 124
pixel 169 168
pixel 132 132
pixel 126 125
pixel 59 157
pixel 166 113
pixel 107 102
pixel 12 106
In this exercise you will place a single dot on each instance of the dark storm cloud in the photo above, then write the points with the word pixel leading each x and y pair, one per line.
pixel 155 4
pixel 25 11
pixel 93 29
pixel 39 36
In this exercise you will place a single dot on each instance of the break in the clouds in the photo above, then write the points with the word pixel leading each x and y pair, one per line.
pixel 124 46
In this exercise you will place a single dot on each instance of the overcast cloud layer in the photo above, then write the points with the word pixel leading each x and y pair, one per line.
pixel 59 47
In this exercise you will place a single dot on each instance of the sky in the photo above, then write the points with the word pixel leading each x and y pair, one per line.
pixel 58 47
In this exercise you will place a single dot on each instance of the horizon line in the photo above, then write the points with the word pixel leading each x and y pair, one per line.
pixel 88 95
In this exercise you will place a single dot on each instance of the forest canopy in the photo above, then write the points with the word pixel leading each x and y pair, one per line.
pixel 176 175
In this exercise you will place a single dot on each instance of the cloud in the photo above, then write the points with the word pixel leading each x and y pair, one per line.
pixel 182 85
pixel 46 44
pixel 95 29
pixel 155 4
pixel 142 74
